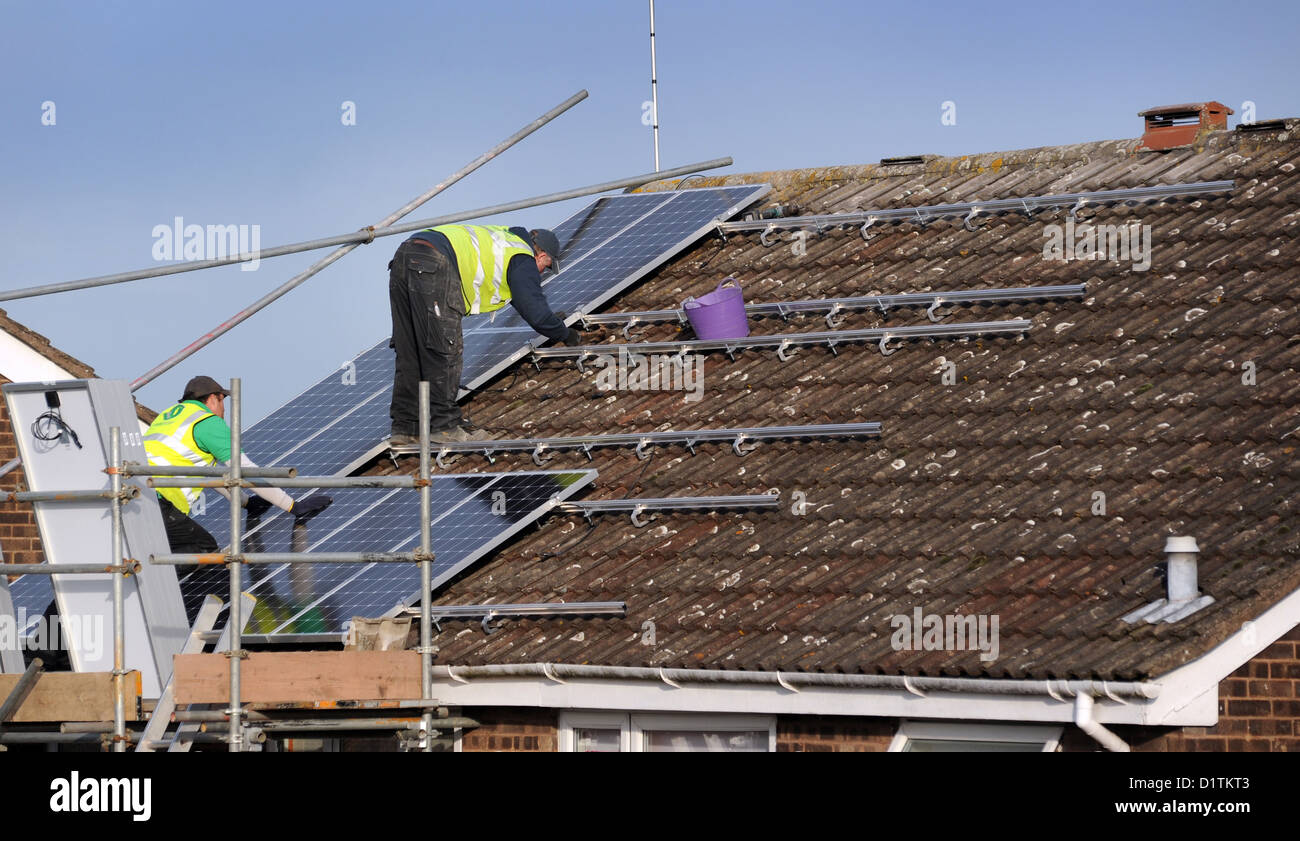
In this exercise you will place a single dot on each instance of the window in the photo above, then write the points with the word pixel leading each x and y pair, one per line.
pixel 953 737
pixel 584 732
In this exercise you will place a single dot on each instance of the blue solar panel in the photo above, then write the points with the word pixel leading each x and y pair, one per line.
pixel 31 594
pixel 336 424
pixel 472 514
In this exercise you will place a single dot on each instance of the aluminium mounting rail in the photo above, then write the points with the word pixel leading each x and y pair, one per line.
pixel 643 440
pixel 631 352
pixel 636 506
pixel 1028 205
pixel 489 612
pixel 834 306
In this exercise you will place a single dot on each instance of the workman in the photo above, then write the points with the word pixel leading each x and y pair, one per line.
pixel 194 432
pixel 435 279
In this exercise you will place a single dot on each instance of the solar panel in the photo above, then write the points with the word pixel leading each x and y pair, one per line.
pixel 338 423
pixel 31 595
pixel 472 514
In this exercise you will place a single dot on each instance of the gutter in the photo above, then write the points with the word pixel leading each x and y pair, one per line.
pixel 1058 689
pixel 1082 691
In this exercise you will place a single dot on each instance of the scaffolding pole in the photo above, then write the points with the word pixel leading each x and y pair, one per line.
pixel 236 650
pixel 365 235
pixel 426 573
pixel 297 280
pixel 119 612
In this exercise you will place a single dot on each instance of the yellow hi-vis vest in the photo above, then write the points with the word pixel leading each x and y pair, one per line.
pixel 482 253
pixel 169 441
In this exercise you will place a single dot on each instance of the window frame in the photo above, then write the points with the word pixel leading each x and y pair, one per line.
pixel 960 731
pixel 633 726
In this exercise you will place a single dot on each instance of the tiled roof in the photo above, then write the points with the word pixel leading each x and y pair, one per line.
pixel 978 497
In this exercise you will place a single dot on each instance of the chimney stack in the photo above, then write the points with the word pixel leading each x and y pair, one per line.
pixel 1171 126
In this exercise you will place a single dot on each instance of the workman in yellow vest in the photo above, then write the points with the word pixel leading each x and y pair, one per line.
pixel 194 432
pixel 437 277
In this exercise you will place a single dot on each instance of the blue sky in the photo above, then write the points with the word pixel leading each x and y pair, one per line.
pixel 230 114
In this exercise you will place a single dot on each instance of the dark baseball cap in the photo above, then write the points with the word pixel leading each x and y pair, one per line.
pixel 547 241
pixel 200 387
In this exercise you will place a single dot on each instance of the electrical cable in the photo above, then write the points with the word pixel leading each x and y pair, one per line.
pixel 50 426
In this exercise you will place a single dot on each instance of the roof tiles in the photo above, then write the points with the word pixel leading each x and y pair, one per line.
pixel 1039 486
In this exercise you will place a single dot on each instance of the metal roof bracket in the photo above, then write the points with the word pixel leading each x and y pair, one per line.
pixel 1078 205
pixel 438 457
pixel 781 352
pixel 885 350
pixel 636 516
pixel 871 220
pixel 974 211
pixel 762 237
pixel 487 623
pixel 831 321
pixel 627 328
pixel 586 451
pixel 641 448
pixel 1029 211
pixel 907 684
pixel 933 308
pixel 735 446
pixel 537 455
pixel 830 345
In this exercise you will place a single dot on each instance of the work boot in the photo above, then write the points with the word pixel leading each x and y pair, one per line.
pixel 403 440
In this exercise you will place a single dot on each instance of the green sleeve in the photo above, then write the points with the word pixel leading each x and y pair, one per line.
pixel 213 436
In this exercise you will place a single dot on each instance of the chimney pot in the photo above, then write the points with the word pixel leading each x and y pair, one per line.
pixel 1180 576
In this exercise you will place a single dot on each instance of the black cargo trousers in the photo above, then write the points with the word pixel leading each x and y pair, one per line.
pixel 428 305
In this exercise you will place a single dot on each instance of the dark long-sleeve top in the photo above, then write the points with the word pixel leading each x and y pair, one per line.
pixel 525 284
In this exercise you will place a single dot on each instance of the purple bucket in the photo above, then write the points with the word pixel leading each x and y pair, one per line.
pixel 720 314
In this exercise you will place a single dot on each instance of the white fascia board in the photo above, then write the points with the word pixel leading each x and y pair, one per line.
pixel 651 696
pixel 1195 686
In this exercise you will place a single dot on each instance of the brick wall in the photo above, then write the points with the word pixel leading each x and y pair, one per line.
pixel 825 734
pixel 18 534
pixel 512 729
